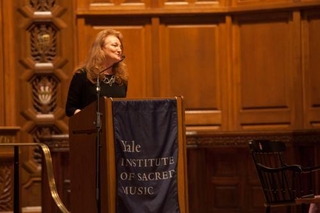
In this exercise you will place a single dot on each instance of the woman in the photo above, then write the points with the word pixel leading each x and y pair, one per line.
pixel 105 59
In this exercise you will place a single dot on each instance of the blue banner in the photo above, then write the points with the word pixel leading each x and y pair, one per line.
pixel 146 144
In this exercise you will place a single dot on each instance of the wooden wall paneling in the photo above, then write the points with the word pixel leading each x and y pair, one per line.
pixel 143 6
pixel 305 149
pixel 317 162
pixel 155 61
pixel 255 198
pixel 139 44
pixel 137 47
pixel 310 1
pixel 258 2
pixel 150 51
pixel 226 173
pixel 311 67
pixel 229 86
pixel 67 42
pixel 264 70
pixel 117 7
pixel 196 179
pixel 189 59
pixel 9 55
pixel 2 70
pixel 112 6
pixel 188 4
pixel 296 72
pixel 221 166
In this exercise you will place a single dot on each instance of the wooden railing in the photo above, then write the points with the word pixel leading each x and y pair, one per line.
pixel 48 163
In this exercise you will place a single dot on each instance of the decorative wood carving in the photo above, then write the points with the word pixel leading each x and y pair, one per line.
pixel 43 75
pixel 44 90
pixel 42 5
pixel 43 42
pixel 43 25
pixel 241 139
pixel 7 135
pixel 6 184
pixel 42 132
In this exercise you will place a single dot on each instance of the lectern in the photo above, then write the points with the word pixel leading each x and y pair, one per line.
pixel 142 157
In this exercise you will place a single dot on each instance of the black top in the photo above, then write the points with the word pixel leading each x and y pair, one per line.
pixel 82 92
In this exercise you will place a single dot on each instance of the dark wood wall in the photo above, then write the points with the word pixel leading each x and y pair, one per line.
pixel 246 69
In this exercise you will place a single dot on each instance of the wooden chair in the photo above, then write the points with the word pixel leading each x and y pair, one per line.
pixel 282 184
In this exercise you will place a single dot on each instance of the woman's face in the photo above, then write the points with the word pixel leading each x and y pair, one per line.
pixel 112 48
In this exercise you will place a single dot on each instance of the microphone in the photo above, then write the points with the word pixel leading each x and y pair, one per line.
pixel 122 58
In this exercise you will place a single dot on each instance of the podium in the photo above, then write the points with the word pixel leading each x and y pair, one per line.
pixel 142 156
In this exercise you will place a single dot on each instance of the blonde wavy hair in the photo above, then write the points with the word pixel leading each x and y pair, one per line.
pixel 94 62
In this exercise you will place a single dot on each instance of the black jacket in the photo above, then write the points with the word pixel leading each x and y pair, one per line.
pixel 82 92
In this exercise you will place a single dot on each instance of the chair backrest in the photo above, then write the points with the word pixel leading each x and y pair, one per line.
pixel 277 180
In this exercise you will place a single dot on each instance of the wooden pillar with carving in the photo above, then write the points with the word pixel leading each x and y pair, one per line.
pixel 44 29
